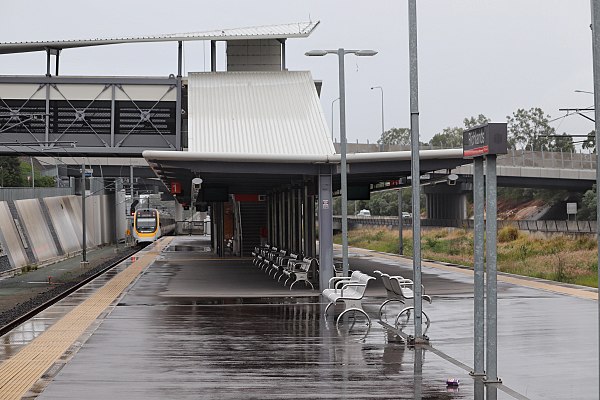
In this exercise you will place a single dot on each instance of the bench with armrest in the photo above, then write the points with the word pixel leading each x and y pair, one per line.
pixel 350 290
pixel 270 257
pixel 281 262
pixel 258 253
pixel 262 255
pixel 297 271
pixel 403 288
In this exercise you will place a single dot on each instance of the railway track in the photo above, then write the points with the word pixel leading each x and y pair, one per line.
pixel 23 311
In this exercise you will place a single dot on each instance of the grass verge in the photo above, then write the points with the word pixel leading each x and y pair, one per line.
pixel 561 258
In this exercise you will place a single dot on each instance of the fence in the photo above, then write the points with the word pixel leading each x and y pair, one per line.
pixel 20 193
pixel 524 225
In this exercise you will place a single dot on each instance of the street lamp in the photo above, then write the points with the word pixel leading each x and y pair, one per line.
pixel 344 187
pixel 382 119
pixel 332 130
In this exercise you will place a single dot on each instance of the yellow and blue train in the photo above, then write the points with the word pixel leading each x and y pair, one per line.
pixel 149 224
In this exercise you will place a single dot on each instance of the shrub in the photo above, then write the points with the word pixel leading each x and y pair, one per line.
pixel 508 234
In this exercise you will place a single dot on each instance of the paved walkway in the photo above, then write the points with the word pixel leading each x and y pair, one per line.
pixel 177 334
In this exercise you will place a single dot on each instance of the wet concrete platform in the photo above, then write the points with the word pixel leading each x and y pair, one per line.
pixel 181 331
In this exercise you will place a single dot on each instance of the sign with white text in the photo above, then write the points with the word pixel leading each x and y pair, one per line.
pixel 490 138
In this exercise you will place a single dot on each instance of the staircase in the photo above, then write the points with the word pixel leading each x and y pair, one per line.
pixel 253 216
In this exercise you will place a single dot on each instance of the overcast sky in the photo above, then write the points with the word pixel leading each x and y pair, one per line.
pixel 489 57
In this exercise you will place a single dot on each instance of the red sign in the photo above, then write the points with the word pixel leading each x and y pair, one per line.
pixel 479 151
pixel 247 197
pixel 175 187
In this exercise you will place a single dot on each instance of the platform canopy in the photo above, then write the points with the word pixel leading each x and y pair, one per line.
pixel 283 31
pixel 255 132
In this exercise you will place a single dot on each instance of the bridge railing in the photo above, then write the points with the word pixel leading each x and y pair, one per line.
pixel 561 226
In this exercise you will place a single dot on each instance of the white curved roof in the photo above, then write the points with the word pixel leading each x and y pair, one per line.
pixel 293 30
pixel 256 113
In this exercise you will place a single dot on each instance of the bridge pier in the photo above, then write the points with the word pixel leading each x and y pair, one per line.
pixel 447 201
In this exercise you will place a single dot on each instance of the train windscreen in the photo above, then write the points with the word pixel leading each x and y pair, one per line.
pixel 145 221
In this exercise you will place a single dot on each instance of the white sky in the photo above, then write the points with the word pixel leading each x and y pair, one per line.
pixel 475 56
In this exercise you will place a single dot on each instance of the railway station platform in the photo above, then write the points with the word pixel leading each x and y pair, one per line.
pixel 175 322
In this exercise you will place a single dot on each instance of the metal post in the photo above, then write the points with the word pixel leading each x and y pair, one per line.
pixel 83 227
pixel 117 216
pixel 32 173
pixel 112 114
pixel 325 230
pixel 415 167
pixel 57 56
pixel 178 100
pixel 478 268
pixel 344 188
pixel 283 55
pixel 47 62
pixel 332 119
pixel 595 6
pixel 400 227
pixel 382 116
pixel 491 278
pixel 131 182
pixel 213 56
pixel 47 118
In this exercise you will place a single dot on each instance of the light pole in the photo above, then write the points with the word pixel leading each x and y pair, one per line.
pixel 332 130
pixel 344 189
pixel 382 118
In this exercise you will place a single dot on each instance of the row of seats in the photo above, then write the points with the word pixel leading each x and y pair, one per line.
pixel 351 290
pixel 284 265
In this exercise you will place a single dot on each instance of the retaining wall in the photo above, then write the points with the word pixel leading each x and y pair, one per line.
pixel 33 231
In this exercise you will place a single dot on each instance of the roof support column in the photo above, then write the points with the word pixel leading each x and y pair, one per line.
pixel 283 66
pixel 47 62
pixel 57 56
pixel 178 100
pixel 47 128
pixel 112 115
pixel 325 230
pixel 213 56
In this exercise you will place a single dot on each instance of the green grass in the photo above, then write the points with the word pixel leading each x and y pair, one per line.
pixel 559 257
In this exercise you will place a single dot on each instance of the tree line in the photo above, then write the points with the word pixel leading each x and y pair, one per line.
pixel 527 130
pixel 17 172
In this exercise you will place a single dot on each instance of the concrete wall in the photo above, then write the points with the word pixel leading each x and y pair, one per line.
pixel 33 231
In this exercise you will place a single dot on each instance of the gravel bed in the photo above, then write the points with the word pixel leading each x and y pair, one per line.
pixel 35 301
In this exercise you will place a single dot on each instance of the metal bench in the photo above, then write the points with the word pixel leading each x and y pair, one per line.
pixel 272 266
pixel 281 263
pixel 401 290
pixel 297 271
pixel 258 254
pixel 350 290
pixel 269 257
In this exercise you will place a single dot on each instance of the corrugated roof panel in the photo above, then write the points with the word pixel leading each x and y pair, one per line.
pixel 256 113
pixel 293 30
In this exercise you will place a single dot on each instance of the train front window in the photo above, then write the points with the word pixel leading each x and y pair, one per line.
pixel 146 225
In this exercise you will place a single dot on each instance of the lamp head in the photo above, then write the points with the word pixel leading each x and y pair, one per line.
pixel 315 53
pixel 366 53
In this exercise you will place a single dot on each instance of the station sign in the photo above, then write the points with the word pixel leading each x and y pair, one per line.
pixel 490 138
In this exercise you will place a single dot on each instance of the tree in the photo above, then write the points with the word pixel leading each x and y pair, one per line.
pixel 473 122
pixel 449 138
pixel 529 129
pixel 563 142
pixel 588 205
pixel 453 137
pixel 590 142
pixel 10 172
pixel 395 136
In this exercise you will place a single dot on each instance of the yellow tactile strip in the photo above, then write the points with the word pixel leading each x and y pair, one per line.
pixel 21 371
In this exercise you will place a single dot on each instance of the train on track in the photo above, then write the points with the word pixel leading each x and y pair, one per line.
pixel 149 224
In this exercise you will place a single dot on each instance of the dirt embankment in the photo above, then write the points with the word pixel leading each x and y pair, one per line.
pixel 514 209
